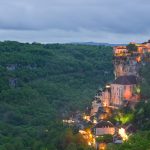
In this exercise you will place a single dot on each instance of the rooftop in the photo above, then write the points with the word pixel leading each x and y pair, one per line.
pixel 104 124
pixel 126 80
pixel 120 47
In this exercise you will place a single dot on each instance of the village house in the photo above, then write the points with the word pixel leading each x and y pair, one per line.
pixel 147 44
pixel 143 48
pixel 101 115
pixel 123 89
pixel 104 127
pixel 120 50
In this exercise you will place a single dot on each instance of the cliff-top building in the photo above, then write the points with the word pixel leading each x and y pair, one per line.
pixel 120 50
pixel 123 89
pixel 126 70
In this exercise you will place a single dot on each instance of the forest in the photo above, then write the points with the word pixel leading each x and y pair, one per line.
pixel 42 83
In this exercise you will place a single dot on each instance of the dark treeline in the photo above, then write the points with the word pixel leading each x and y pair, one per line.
pixel 42 83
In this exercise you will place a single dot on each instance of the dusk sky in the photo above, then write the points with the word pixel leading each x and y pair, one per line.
pixel 48 21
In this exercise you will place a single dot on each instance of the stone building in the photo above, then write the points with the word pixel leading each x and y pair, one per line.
pixel 104 127
pixel 120 51
pixel 106 96
pixel 123 89
pixel 143 48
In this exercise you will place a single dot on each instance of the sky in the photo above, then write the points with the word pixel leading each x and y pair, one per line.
pixel 63 21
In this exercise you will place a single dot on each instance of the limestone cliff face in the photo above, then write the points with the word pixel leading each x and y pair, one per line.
pixel 125 67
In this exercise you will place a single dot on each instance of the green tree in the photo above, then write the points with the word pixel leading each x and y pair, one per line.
pixel 138 141
pixel 107 138
pixel 131 47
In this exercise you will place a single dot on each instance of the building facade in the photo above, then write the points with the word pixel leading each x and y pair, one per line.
pixel 120 50
pixel 123 89
pixel 104 127
pixel 106 96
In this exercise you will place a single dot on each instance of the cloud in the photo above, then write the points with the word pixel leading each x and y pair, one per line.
pixel 74 20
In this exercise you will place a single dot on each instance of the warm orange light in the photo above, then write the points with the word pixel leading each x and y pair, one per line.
pixel 107 109
pixel 82 132
pixel 127 94
pixel 104 104
pixel 104 116
pixel 102 146
pixel 87 135
pixel 140 49
pixel 138 59
pixel 95 121
pixel 86 118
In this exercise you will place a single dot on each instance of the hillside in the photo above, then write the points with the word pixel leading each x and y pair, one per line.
pixel 40 84
pixel 141 121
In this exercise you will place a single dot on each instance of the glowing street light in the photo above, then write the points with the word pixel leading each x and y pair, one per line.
pixel 123 134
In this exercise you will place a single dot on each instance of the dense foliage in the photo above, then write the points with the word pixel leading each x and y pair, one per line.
pixel 131 47
pixel 142 118
pixel 138 141
pixel 42 83
pixel 107 138
pixel 145 83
